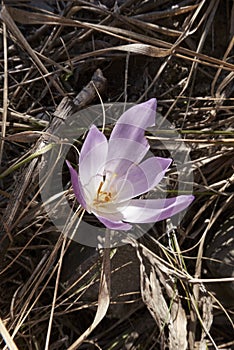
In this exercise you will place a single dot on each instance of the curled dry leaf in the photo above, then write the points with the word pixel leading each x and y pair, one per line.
pixel 172 316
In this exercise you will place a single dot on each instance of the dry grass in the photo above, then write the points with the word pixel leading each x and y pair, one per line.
pixel 161 295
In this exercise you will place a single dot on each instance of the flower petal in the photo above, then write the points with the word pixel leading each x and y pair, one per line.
pixel 127 140
pixel 92 160
pixel 141 178
pixel 141 116
pixel 123 151
pixel 112 211
pixel 93 139
pixel 77 187
pixel 153 210
pixel 115 225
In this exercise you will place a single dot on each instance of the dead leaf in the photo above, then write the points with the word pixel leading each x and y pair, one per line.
pixel 103 298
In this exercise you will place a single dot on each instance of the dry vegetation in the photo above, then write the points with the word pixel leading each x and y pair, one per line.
pixel 55 56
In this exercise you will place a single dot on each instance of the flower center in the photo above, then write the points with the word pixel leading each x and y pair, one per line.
pixel 102 197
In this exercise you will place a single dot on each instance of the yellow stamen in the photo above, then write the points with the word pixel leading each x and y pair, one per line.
pixel 102 196
pixel 99 189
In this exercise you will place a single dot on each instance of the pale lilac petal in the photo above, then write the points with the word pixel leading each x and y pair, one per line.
pixel 127 140
pixel 153 210
pixel 129 132
pixel 111 210
pixel 92 159
pixel 117 168
pixel 141 116
pixel 123 151
pixel 141 178
pixel 93 139
pixel 77 187
pixel 115 225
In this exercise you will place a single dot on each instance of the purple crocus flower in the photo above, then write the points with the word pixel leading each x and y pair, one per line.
pixel 112 174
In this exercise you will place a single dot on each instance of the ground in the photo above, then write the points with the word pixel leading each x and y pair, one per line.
pixel 173 287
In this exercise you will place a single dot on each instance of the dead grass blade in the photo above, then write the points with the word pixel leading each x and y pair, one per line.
pixel 25 17
pixel 6 336
pixel 5 93
pixel 11 26
pixel 55 295
pixel 166 13
pixel 230 46
pixel 103 296
pixel 62 111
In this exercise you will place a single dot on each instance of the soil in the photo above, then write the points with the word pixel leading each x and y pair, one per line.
pixel 53 51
